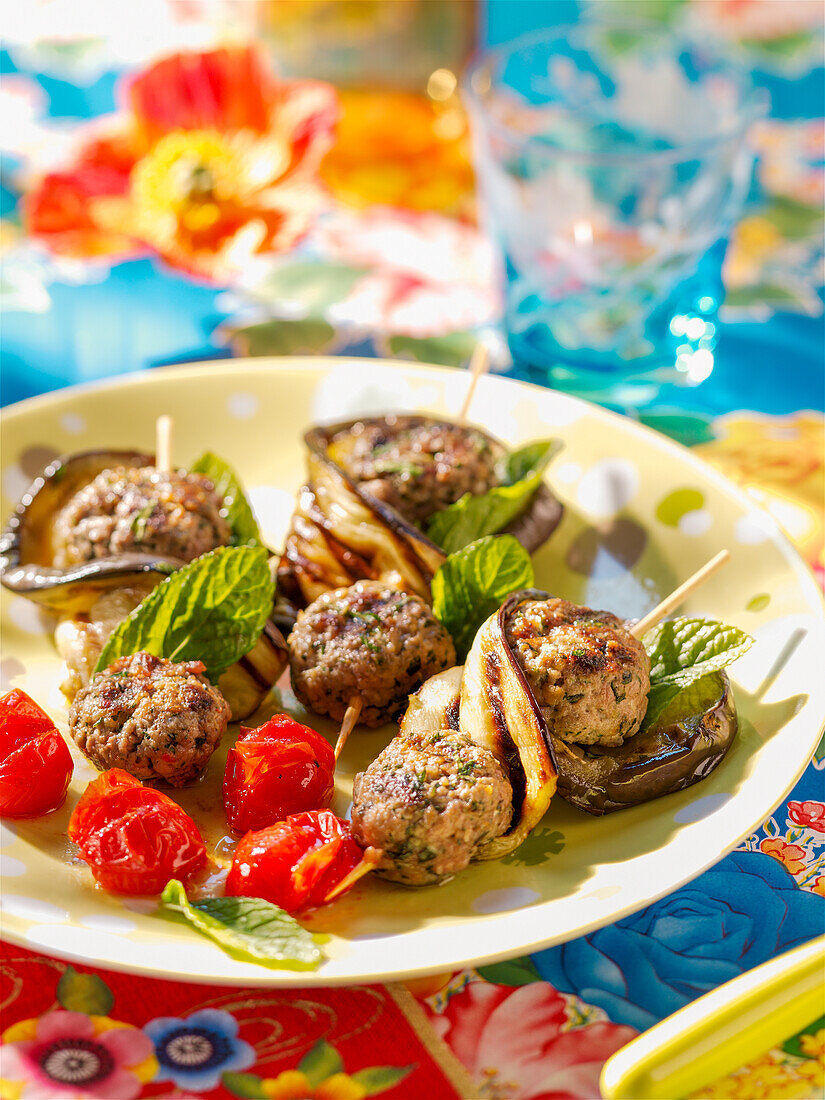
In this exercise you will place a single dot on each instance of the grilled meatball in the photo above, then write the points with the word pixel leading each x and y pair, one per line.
pixel 590 676
pixel 144 510
pixel 368 640
pixel 423 467
pixel 154 718
pixel 428 801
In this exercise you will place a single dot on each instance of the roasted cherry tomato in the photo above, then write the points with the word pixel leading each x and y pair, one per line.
pixel 296 863
pixel 35 762
pixel 134 838
pixel 279 769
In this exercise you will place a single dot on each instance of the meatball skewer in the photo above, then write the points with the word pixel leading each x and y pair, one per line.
pixel 358 652
pixel 436 798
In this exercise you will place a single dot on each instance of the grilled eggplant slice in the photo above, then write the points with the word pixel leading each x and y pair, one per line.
pixel 686 743
pixel 341 533
pixel 498 711
pixel 490 701
pixel 27 544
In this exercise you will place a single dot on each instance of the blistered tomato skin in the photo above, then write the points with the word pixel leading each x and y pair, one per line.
pixel 134 838
pixel 35 762
pixel 296 863
pixel 279 769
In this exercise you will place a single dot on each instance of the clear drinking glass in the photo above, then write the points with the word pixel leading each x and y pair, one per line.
pixel 611 163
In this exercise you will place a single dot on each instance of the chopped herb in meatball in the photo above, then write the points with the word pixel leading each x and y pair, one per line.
pixel 154 718
pixel 370 641
pixel 428 801
pixel 140 510
pixel 590 676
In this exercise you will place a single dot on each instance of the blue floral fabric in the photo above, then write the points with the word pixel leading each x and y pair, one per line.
pixel 743 912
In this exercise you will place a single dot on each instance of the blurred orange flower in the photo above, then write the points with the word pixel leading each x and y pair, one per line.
pixel 214 160
pixel 401 149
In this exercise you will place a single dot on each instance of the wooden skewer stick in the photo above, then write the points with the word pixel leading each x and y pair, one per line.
pixel 164 432
pixel 479 364
pixel 351 716
pixel 372 857
pixel 679 595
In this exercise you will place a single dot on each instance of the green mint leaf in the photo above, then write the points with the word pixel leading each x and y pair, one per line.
pixel 239 514
pixel 473 517
pixel 212 610
pixel 532 458
pixel 321 1062
pixel 249 929
pixel 683 651
pixel 514 972
pixel 376 1079
pixel 84 993
pixel 473 583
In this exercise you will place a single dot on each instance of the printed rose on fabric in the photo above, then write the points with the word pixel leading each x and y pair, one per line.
pixel 195 1051
pixel 791 856
pixel 213 162
pixel 740 914
pixel 518 1042
pixel 809 815
pixel 71 1055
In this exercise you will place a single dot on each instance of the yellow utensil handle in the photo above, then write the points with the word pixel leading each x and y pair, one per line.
pixel 725 1029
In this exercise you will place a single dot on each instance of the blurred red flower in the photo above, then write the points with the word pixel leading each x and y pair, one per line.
pixel 212 161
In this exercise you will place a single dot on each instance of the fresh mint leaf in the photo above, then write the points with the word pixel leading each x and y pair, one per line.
pixel 532 458
pixel 212 610
pixel 239 514
pixel 249 929
pixel 473 582
pixel 474 516
pixel 683 651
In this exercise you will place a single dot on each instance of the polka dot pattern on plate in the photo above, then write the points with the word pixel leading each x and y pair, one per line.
pixel 29 618
pixel 242 406
pixel 608 487
pixel 681 502
pixel 607 551
pixel 701 808
pixel 502 901
pixel 11 867
pixel 31 908
pixel 696 523
pixel 754 529
pixel 73 423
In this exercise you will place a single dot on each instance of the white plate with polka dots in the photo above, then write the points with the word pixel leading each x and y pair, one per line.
pixel 642 513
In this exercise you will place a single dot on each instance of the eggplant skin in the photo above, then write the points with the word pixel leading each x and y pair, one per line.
pixel 667 757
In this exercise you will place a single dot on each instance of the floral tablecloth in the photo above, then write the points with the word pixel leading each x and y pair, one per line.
pixel 200 208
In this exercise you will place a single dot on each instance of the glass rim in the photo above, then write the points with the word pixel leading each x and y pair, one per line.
pixel 753 108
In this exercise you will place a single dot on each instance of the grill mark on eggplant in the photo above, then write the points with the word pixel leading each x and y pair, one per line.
pixel 506 609
pixel 509 750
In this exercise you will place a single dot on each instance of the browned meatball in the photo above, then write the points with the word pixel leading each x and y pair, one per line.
pixel 590 676
pixel 154 718
pixel 429 801
pixel 369 641
pixel 143 510
pixel 423 466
